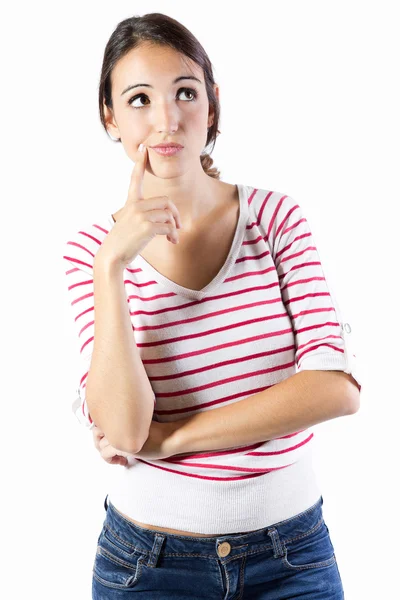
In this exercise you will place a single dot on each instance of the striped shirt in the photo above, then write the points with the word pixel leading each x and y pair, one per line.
pixel 266 315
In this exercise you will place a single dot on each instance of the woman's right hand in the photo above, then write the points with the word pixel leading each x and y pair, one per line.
pixel 140 220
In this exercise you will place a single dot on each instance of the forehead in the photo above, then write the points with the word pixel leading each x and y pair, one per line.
pixel 156 65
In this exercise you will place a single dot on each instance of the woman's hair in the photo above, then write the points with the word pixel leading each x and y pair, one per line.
pixel 162 30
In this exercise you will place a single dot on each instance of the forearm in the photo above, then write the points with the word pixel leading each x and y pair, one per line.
pixel 300 401
pixel 118 392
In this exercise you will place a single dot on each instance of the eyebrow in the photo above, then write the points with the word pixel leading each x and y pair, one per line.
pixel 130 87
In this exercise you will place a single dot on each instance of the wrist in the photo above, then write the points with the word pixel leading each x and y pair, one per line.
pixel 174 441
pixel 104 263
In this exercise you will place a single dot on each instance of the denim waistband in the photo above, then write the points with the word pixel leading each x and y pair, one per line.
pixel 147 540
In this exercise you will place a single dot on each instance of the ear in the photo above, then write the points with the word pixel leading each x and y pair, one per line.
pixel 211 111
pixel 111 123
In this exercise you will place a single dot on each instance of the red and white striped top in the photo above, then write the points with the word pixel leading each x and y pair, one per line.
pixel 266 315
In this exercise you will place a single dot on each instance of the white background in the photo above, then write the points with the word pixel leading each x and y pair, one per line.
pixel 310 108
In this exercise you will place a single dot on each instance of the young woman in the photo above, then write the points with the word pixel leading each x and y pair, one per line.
pixel 211 344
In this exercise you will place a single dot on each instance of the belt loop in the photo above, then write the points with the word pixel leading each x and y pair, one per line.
pixel 276 542
pixel 156 549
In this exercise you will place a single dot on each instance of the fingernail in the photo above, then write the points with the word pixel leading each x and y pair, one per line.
pixel 141 148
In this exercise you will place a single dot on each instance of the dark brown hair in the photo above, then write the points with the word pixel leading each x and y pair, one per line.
pixel 160 29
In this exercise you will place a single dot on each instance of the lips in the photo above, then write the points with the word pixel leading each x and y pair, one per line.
pixel 168 145
pixel 167 150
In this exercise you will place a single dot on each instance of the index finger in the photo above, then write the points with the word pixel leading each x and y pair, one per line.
pixel 136 186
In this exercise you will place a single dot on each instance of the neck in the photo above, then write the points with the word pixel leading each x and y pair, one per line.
pixel 194 194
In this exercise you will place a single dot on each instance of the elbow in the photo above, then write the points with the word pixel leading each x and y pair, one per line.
pixel 128 440
pixel 118 441
pixel 115 439
pixel 353 403
pixel 352 395
pixel 121 443
pixel 125 446
pixel 346 392
pixel 130 443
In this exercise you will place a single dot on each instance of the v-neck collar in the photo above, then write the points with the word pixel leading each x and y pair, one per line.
pixel 226 267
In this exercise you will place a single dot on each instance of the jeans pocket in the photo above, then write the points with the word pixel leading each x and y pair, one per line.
pixel 118 563
pixel 311 550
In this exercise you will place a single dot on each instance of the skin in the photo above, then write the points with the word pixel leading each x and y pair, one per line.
pixel 168 114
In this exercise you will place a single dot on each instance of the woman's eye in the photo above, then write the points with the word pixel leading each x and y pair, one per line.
pixel 185 90
pixel 189 91
pixel 131 101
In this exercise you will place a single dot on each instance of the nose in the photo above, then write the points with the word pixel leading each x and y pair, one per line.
pixel 166 118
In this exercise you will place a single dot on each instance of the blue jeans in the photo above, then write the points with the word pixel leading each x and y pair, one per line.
pixel 290 559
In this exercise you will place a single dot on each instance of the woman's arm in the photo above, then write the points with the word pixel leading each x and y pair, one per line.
pixel 300 401
pixel 118 392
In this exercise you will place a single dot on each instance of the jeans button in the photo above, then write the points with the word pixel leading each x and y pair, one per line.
pixel 224 549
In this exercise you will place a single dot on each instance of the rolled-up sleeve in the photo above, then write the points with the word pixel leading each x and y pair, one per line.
pixel 322 335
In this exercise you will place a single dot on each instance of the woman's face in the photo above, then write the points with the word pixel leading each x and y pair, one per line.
pixel 160 109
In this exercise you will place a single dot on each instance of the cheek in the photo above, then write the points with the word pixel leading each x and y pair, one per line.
pixel 200 117
pixel 196 127
pixel 200 137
